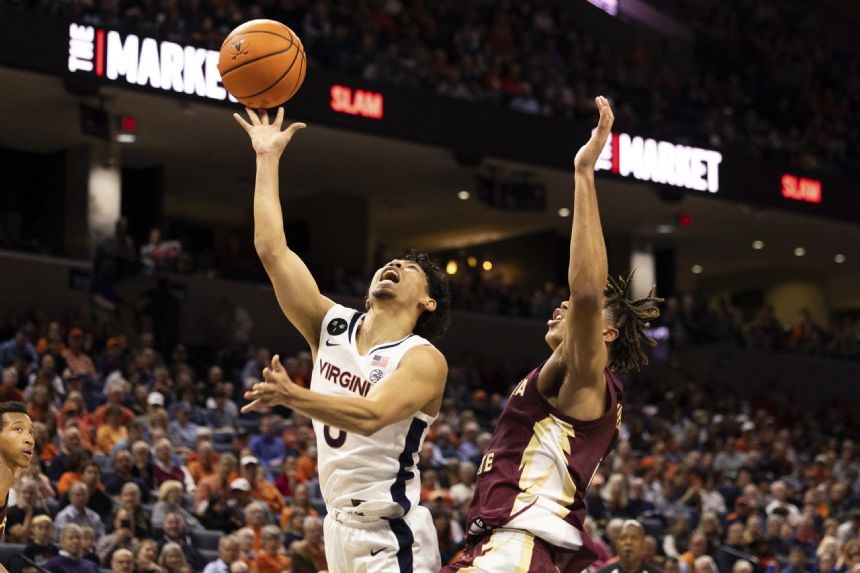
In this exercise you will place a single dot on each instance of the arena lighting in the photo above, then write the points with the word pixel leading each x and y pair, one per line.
pixel 128 123
pixel 839 259
pixel 463 195
pixel 661 162
pixel 564 212
pixel 451 267
pixel 697 269
pixel 758 245
pixel 487 265
pixel 685 220
pixel 799 252
pixel 126 137
pixel 801 189
pixel 148 62
pixel 360 102
pixel 608 6
pixel 472 262
pixel 665 229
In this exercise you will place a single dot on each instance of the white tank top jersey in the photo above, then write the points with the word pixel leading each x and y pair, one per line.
pixel 374 475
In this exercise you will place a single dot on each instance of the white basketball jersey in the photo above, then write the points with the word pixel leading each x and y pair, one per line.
pixel 372 475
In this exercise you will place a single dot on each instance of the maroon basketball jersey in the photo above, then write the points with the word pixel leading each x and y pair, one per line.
pixel 537 469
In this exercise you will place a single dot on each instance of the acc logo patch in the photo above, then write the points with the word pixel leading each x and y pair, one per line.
pixel 336 326
pixel 376 375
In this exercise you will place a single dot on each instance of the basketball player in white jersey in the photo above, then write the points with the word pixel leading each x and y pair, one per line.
pixel 377 384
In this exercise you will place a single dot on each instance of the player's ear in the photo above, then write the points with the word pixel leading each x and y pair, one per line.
pixel 429 304
pixel 610 333
pixel 367 303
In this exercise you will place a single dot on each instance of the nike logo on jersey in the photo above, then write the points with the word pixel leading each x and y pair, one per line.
pixel 329 343
pixel 377 552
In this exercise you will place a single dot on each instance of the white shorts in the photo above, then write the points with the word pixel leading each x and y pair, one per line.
pixel 407 545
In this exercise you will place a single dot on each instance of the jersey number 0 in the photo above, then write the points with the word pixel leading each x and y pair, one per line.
pixel 334 441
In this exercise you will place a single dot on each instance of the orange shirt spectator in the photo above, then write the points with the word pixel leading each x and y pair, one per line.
pixel 271 557
pixel 75 356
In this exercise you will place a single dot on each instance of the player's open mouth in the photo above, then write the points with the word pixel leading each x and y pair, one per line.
pixel 390 275
pixel 27 453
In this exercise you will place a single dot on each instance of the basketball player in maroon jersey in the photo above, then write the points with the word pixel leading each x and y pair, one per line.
pixel 563 418
pixel 17 443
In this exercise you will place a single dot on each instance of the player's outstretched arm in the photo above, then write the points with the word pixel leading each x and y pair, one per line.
pixel 295 287
pixel 418 381
pixel 583 391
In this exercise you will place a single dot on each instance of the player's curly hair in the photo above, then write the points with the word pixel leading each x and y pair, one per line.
pixel 432 325
pixel 9 408
pixel 631 318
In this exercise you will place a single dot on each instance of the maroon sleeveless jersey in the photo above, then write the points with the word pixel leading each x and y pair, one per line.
pixel 537 469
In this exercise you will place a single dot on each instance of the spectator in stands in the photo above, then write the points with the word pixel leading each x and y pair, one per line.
pixel 77 511
pixel 170 501
pixel 135 434
pixel 165 469
pixel 598 509
pixel 733 549
pixel 247 541
pixel 218 417
pixel 145 557
pixel 75 462
pixel 172 560
pixel 19 350
pixel 216 484
pixel 112 430
pixel 288 479
pixel 39 406
pixel 675 541
pixel 261 489
pixel 220 516
pixel 176 531
pixel 779 491
pixel 705 564
pixel 450 536
pixel 204 463
pixel 850 528
pixel 122 561
pixel 269 446
pixel 71 556
pixel 143 467
pixel 796 561
pixel 123 466
pixel 9 386
pixel 294 531
pixel 29 504
pixel 228 553
pixel 631 546
pixel 254 366
pixel 99 501
pixel 115 391
pixel 461 492
pixel 122 537
pixel 271 557
pixel 141 521
pixel 41 547
pixel 78 361
pixel 182 428
pixel 300 499
pixel 255 520
pixel 308 555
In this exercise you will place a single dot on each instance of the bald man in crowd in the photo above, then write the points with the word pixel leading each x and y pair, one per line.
pixel 630 546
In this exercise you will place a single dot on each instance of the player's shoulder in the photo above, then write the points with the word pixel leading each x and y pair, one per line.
pixel 425 355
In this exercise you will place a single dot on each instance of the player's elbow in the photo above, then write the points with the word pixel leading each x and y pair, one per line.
pixel 267 249
pixel 369 427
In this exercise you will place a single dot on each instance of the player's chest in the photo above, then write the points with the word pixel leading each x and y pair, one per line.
pixel 343 371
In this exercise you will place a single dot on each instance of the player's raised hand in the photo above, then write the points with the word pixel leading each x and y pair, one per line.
pixel 267 138
pixel 275 391
pixel 586 157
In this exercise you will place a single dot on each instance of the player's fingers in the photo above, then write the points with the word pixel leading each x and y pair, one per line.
pixel 266 373
pixel 240 120
pixel 294 127
pixel 265 115
pixel 251 406
pixel 255 119
pixel 279 118
pixel 276 364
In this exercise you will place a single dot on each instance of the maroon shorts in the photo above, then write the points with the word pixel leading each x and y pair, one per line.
pixel 506 551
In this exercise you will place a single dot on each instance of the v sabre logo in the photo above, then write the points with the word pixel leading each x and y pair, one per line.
pixel 147 62
pixel 661 162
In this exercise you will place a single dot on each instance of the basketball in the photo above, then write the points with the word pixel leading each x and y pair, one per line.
pixel 262 63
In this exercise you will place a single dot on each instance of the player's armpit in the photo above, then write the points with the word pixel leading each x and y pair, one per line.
pixel 418 381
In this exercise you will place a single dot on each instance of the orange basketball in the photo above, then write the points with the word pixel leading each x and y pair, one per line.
pixel 262 63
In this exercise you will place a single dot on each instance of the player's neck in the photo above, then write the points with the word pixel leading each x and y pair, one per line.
pixel 383 324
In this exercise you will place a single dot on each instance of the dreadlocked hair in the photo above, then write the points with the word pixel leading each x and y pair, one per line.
pixel 631 318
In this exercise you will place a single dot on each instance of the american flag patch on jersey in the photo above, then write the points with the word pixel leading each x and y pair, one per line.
pixel 379 360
